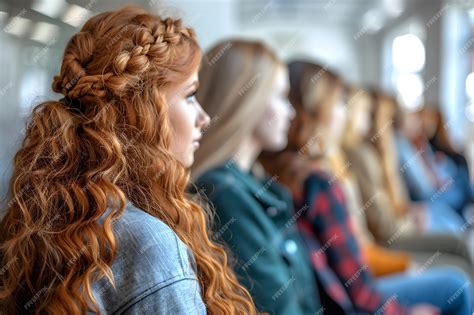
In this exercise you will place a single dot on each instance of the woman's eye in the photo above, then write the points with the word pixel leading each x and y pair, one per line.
pixel 191 97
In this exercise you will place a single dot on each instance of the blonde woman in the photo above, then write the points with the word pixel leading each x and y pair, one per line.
pixel 380 260
pixel 244 89
pixel 98 219
pixel 372 153
pixel 384 207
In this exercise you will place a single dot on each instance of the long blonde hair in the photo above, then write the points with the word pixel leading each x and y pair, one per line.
pixel 358 99
pixel 383 139
pixel 108 141
pixel 236 78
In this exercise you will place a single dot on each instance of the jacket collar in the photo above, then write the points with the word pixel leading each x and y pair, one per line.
pixel 267 191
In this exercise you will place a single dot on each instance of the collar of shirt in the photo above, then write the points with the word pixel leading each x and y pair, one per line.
pixel 268 191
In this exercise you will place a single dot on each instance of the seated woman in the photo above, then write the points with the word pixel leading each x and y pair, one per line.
pixel 380 260
pixel 98 219
pixel 324 220
pixel 435 129
pixel 244 89
pixel 432 176
pixel 392 218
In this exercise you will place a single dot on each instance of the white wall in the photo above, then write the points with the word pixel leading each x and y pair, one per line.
pixel 325 44
pixel 329 46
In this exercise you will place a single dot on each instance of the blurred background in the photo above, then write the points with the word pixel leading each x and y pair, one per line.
pixel 420 50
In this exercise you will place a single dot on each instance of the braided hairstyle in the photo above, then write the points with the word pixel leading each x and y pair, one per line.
pixel 107 141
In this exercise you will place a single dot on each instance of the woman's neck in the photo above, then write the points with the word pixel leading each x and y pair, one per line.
pixel 332 149
pixel 247 154
pixel 352 141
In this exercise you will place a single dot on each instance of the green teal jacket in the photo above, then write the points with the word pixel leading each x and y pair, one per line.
pixel 255 219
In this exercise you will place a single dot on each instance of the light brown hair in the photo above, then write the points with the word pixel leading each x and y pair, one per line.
pixel 236 79
pixel 382 137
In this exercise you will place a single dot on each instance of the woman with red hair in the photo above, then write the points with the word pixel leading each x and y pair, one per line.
pixel 98 219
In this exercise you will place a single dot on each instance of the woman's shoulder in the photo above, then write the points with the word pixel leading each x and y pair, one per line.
pixel 140 233
pixel 218 180
pixel 136 225
pixel 323 181
pixel 149 257
pixel 318 175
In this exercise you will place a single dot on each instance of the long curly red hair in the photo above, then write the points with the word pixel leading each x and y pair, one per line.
pixel 107 142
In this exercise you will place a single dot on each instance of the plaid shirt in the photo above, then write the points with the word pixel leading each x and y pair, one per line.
pixel 334 252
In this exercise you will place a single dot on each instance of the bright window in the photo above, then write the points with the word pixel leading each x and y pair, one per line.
pixel 470 95
pixel 408 59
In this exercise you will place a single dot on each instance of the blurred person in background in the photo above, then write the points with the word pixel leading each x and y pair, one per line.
pixel 317 131
pixel 435 129
pixel 439 173
pixel 397 163
pixel 406 231
pixel 381 260
pixel 244 88
pixel 373 157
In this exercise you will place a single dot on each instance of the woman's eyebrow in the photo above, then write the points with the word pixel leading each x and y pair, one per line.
pixel 194 84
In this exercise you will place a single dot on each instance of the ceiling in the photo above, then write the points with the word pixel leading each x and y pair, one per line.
pixel 348 14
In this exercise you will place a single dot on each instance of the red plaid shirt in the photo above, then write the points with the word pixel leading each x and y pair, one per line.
pixel 334 251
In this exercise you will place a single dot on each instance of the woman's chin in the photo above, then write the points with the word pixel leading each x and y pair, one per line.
pixel 276 145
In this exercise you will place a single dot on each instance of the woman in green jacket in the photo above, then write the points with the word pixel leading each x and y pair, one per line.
pixel 244 88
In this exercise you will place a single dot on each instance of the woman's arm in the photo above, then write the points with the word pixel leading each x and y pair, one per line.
pixel 330 221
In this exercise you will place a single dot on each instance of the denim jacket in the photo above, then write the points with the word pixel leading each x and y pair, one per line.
pixel 154 271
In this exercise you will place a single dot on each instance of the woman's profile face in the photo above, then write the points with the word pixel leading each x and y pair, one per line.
pixel 338 118
pixel 272 131
pixel 187 119
pixel 429 122
pixel 361 119
pixel 385 114
pixel 412 125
